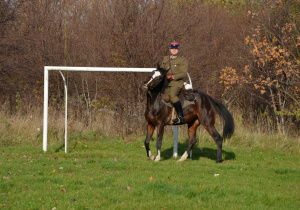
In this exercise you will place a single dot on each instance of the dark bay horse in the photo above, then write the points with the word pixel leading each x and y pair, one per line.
pixel 203 111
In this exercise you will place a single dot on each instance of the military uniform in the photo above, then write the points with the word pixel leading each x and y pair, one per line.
pixel 179 67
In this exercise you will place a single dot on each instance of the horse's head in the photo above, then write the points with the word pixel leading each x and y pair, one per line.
pixel 155 79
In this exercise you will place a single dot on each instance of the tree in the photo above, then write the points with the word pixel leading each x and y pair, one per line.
pixel 275 67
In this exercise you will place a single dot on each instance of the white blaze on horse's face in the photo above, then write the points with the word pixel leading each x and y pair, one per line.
pixel 156 74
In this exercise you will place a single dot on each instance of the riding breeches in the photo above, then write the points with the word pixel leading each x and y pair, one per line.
pixel 173 93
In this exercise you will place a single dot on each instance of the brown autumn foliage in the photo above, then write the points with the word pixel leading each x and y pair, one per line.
pixel 273 75
pixel 132 33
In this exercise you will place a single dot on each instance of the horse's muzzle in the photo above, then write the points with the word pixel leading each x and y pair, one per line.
pixel 147 83
pixel 145 86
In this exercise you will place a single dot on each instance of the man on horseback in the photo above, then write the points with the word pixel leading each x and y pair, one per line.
pixel 177 67
pixel 204 109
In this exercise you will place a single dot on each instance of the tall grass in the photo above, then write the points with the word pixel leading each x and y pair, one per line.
pixel 27 128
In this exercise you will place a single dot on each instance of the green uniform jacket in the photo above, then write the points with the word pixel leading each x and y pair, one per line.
pixel 179 69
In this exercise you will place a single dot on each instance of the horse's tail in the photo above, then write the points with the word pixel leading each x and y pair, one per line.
pixel 228 128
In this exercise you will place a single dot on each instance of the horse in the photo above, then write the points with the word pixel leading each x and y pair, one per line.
pixel 203 111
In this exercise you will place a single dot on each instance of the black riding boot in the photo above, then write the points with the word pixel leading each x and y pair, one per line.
pixel 180 118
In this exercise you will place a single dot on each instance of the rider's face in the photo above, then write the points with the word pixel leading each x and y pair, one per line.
pixel 174 51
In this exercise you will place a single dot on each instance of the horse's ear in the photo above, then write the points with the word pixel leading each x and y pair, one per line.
pixel 158 66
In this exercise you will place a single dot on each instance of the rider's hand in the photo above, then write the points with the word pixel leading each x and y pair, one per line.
pixel 170 77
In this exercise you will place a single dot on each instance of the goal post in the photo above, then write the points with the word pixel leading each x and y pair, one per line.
pixel 85 69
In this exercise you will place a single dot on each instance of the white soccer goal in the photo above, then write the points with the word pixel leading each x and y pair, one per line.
pixel 85 69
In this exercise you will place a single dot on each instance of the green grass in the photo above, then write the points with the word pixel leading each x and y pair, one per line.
pixel 108 173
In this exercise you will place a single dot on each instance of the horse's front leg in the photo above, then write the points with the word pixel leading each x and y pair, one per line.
pixel 150 130
pixel 160 134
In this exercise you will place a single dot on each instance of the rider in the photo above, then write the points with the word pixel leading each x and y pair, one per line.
pixel 177 67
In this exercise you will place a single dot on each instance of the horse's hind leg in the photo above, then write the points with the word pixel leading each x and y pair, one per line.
pixel 192 139
pixel 218 139
pixel 150 130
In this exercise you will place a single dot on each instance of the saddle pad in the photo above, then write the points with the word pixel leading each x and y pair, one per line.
pixel 185 103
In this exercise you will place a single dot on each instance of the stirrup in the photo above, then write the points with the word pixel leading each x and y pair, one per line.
pixel 178 121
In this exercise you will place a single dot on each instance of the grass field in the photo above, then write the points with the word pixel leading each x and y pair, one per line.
pixel 109 173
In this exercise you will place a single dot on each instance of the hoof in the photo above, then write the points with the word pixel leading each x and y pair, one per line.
pixel 219 161
pixel 183 157
pixel 156 159
pixel 180 160
pixel 151 157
